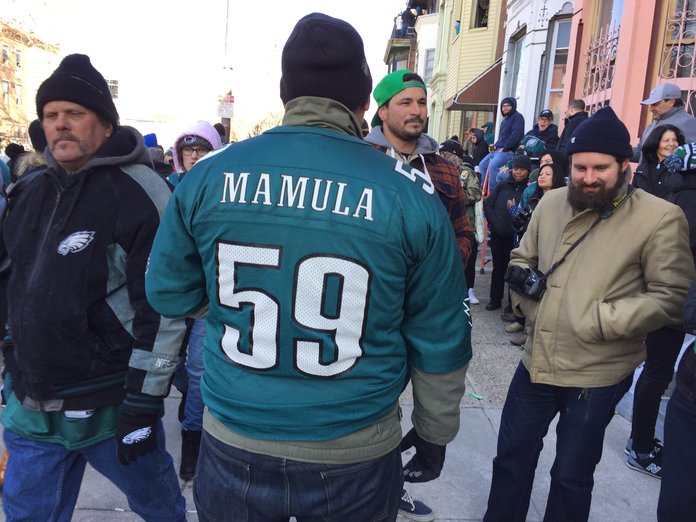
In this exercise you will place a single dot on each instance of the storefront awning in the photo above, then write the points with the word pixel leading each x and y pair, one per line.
pixel 480 93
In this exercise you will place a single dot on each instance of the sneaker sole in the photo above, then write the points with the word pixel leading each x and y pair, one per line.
pixel 641 469
pixel 417 518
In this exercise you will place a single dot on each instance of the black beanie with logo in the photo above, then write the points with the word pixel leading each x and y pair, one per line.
pixel 76 80
pixel 325 57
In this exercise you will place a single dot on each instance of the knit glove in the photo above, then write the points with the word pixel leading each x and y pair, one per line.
pixel 137 424
pixel 682 159
pixel 427 463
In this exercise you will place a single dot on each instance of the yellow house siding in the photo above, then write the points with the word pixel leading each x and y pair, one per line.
pixel 467 55
pixel 474 50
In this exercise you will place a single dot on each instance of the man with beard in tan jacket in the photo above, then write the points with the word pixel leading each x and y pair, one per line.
pixel 616 265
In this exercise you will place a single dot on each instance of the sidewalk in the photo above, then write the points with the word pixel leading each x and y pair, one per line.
pixel 461 492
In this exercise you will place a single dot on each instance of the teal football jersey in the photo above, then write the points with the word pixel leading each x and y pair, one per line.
pixel 328 269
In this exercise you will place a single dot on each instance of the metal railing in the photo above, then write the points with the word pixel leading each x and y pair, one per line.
pixel 677 62
pixel 600 65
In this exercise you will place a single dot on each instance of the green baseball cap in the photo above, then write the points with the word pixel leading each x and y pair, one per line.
pixel 391 85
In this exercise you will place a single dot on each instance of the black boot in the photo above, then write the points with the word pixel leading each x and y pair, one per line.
pixel 190 446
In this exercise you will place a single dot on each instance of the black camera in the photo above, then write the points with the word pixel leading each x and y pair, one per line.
pixel 527 281
pixel 521 220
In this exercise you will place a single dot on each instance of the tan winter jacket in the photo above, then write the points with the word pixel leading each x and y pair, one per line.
pixel 629 276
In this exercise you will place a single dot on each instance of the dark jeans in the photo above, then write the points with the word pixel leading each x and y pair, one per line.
pixel 470 270
pixel 677 500
pixel 528 411
pixel 500 252
pixel 233 484
pixel 663 348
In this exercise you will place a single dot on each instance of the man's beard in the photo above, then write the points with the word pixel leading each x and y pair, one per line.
pixel 599 200
pixel 405 135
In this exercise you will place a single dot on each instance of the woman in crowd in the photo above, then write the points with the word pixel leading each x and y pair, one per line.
pixel 480 147
pixel 651 173
pixel 192 145
pixel 502 236
pixel 644 450
pixel 551 176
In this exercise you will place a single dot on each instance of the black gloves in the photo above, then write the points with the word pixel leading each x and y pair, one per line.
pixel 136 432
pixel 427 463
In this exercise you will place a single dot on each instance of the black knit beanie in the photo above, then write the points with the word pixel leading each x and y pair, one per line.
pixel 521 161
pixel 76 80
pixel 325 57
pixel 37 136
pixel 602 132
pixel 14 150
pixel 452 146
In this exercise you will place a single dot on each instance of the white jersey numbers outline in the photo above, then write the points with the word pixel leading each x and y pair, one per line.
pixel 330 295
pixel 346 324
pixel 263 331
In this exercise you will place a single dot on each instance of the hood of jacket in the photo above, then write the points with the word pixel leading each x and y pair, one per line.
pixel 490 132
pixel 425 144
pixel 580 114
pixel 671 112
pixel 202 129
pixel 314 111
pixel 124 147
pixel 479 134
pixel 512 101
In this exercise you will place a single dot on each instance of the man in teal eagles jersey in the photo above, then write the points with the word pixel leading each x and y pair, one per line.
pixel 329 272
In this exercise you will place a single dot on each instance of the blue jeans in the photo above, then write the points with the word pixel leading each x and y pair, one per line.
pixel 233 484
pixel 42 480
pixel 677 500
pixel 193 411
pixel 491 164
pixel 528 411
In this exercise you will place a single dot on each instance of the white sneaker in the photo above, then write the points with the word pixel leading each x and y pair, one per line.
pixel 472 297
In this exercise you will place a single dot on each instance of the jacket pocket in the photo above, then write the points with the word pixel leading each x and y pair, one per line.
pixel 589 327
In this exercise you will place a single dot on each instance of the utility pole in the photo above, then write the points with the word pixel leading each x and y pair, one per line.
pixel 226 101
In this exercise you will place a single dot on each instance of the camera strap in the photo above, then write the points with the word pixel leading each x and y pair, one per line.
pixel 604 214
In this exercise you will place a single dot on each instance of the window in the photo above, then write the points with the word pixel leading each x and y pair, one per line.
pixel 678 54
pixel 559 31
pixel 481 13
pixel 429 65
pixel 514 66
pixel 113 88
pixel 18 57
pixel 5 92
pixel 5 53
pixel 608 16
pixel 18 94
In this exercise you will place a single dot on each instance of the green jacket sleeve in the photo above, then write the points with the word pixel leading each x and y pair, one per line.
pixel 175 280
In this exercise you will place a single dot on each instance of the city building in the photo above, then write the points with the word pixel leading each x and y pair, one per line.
pixel 621 49
pixel 467 72
pixel 25 61
pixel 537 39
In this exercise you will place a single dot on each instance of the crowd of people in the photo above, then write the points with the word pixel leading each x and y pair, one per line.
pixel 292 285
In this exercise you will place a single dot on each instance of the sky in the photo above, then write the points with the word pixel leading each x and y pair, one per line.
pixel 173 59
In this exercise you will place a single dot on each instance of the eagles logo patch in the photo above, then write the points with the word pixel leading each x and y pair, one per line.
pixel 137 436
pixel 75 242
